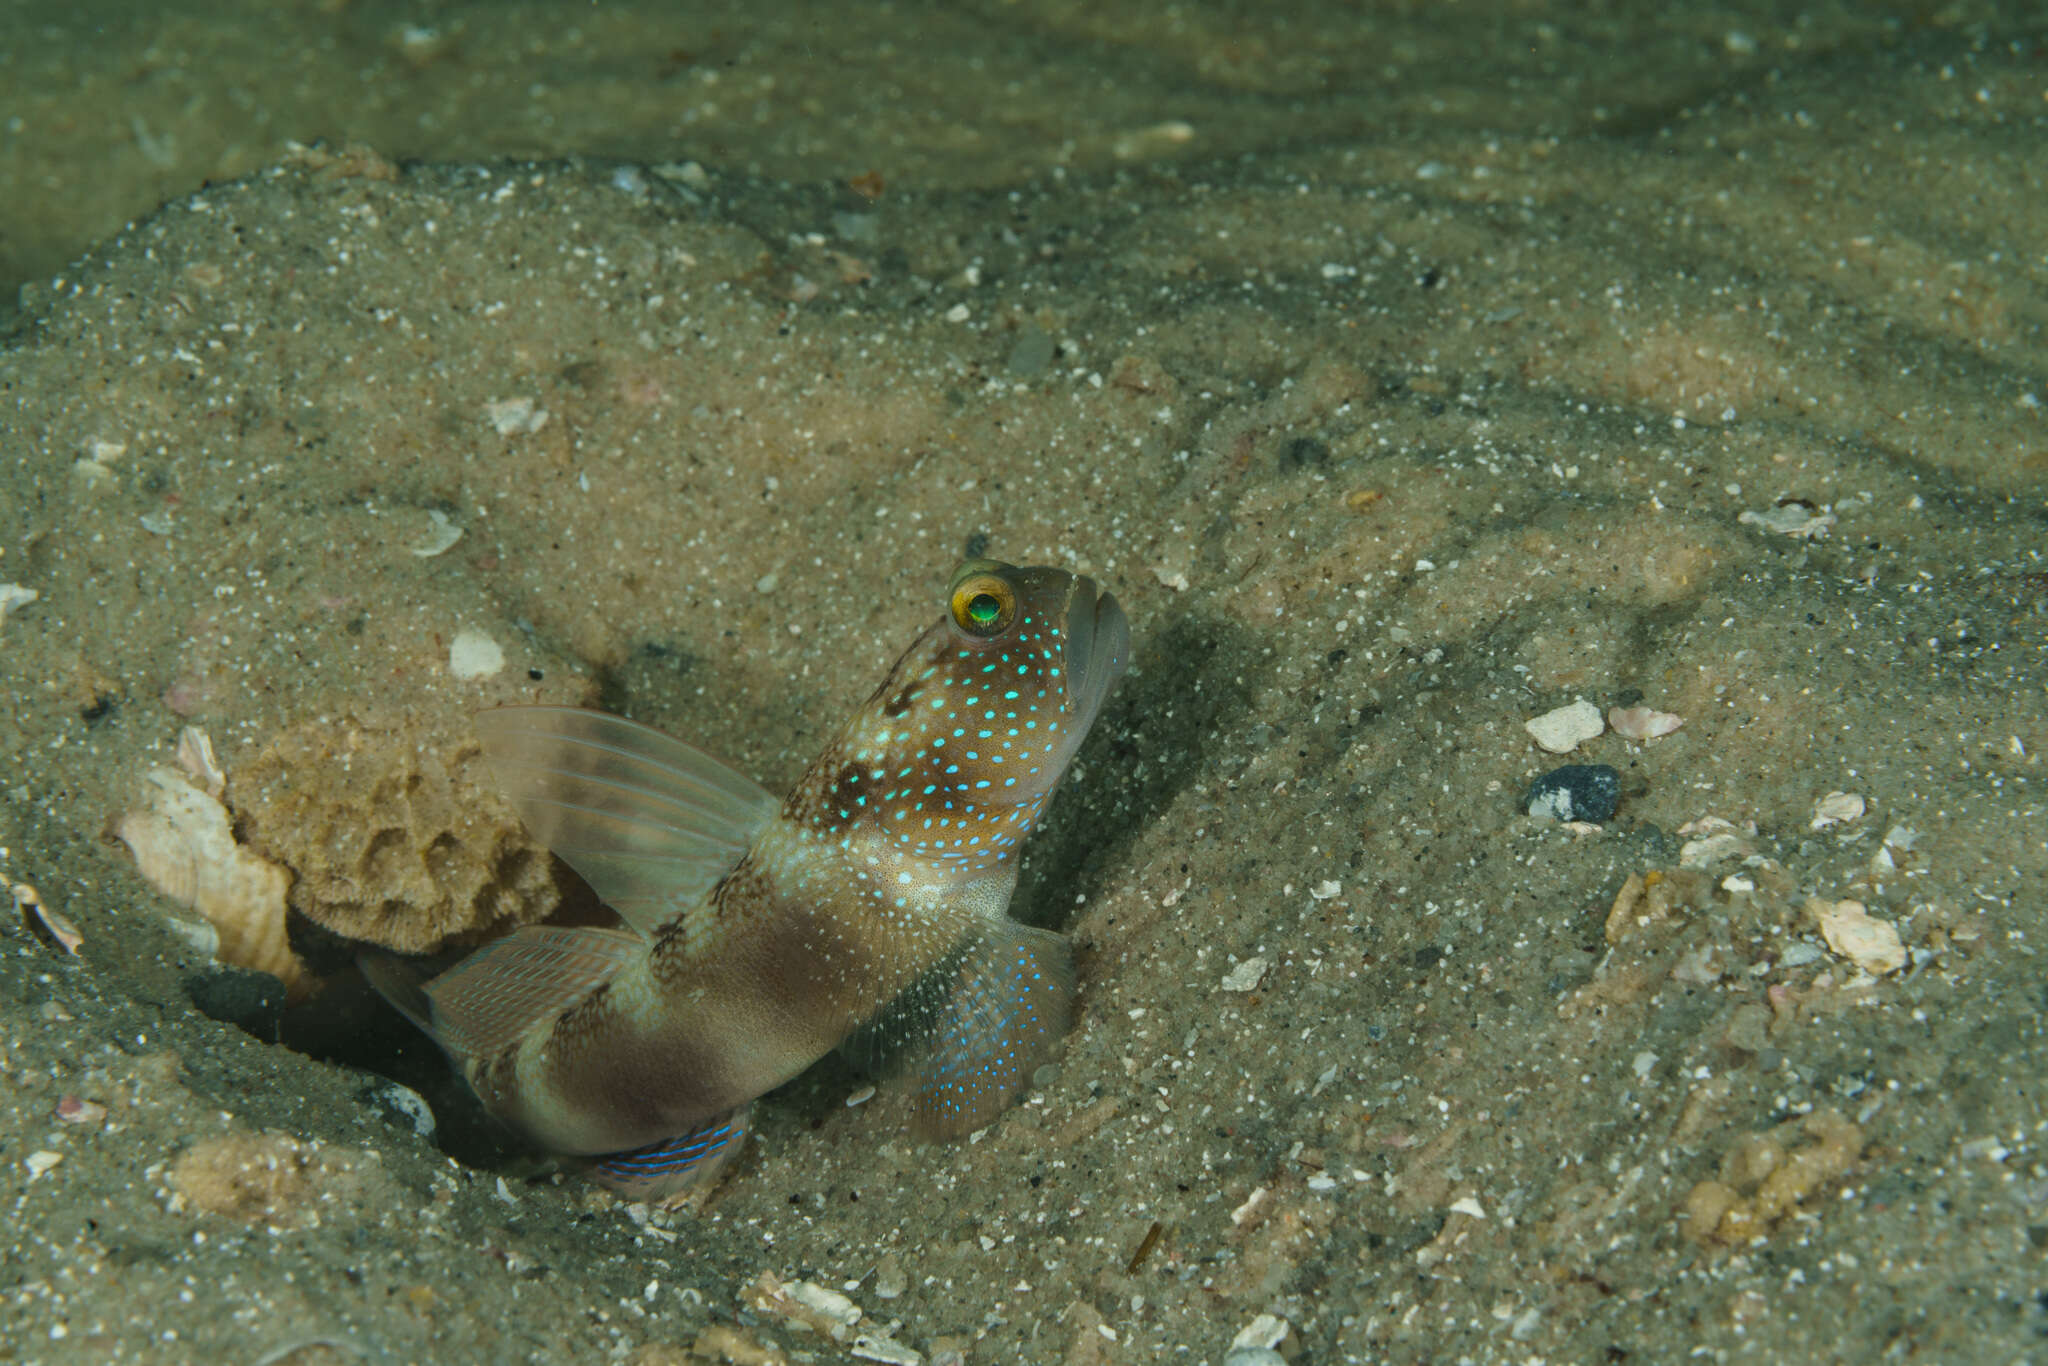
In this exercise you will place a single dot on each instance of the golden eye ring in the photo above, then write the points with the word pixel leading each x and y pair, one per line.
pixel 983 604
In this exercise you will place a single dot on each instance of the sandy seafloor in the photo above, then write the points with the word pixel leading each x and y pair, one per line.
pixel 1407 373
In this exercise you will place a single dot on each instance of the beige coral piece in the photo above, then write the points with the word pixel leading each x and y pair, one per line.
pixel 394 830
pixel 184 846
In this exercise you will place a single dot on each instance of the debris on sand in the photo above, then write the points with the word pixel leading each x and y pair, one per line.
pixel 1565 729
pixel 184 846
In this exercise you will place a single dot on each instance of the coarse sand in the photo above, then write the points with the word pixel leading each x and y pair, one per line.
pixel 1409 374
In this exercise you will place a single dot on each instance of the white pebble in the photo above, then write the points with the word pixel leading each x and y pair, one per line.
pixel 1565 729
pixel 472 654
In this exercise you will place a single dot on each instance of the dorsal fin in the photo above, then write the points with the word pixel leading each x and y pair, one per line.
pixel 971 1032
pixel 491 998
pixel 649 822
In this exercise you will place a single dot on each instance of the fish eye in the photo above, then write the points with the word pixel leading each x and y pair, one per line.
pixel 983 604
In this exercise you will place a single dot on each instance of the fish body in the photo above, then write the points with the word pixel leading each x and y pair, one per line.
pixel 866 911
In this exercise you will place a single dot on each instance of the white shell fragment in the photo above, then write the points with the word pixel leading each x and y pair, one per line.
pixel 1791 519
pixel 1246 976
pixel 873 1347
pixel 45 922
pixel 1327 889
pixel 441 535
pixel 1267 1331
pixel 472 654
pixel 1565 729
pixel 1643 723
pixel 196 757
pixel 184 846
pixel 514 416
pixel 1713 840
pixel 1837 808
pixel 1872 945
pixel 13 597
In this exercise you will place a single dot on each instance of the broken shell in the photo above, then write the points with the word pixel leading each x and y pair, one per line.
pixel 1246 976
pixel 195 756
pixel 72 1110
pixel 12 596
pixel 185 847
pixel 1837 808
pixel 441 536
pixel 1642 723
pixel 1795 519
pixel 45 923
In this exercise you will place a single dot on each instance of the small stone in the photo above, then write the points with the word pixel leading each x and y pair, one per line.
pixel 403 1105
pixel 1246 976
pixel 1565 729
pixel 1642 723
pixel 473 654
pixel 1576 792
pixel 890 1279
pixel 40 1161
pixel 1326 889
pixel 1872 945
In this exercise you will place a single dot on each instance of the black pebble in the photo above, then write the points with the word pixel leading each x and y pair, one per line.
pixel 1576 792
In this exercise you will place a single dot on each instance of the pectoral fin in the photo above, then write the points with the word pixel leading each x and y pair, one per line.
pixel 649 822
pixel 490 999
pixel 971 1032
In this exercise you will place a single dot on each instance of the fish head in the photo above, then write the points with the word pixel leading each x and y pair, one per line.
pixel 958 749
pixel 1009 680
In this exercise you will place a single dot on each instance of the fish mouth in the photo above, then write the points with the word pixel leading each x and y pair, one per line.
pixel 1098 648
